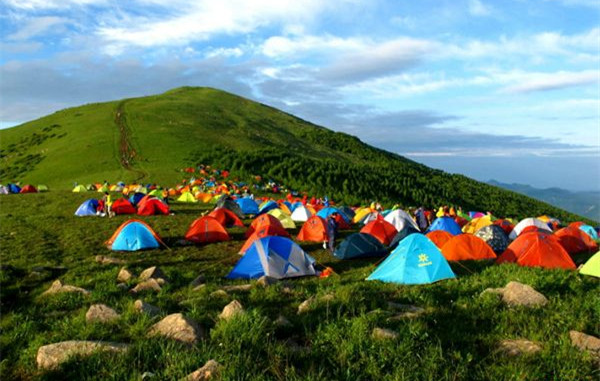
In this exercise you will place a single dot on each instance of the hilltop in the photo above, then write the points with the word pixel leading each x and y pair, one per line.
pixel 150 139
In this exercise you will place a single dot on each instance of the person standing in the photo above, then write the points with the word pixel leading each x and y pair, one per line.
pixel 332 227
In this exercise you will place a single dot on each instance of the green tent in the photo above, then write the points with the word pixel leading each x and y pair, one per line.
pixel 187 197
pixel 42 188
pixel 156 193
pixel 592 266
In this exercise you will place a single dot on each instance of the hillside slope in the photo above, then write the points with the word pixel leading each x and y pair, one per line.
pixel 151 138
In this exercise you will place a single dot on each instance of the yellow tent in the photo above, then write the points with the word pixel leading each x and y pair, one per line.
pixel 79 188
pixel 187 197
pixel 284 218
pixel 476 223
pixel 360 213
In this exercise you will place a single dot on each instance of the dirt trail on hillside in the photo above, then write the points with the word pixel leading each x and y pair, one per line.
pixel 127 153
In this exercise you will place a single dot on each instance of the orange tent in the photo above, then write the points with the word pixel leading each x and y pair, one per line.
pixel 149 206
pixel 206 229
pixel 537 249
pixel 467 247
pixel 577 224
pixel 314 230
pixel 439 237
pixel 28 189
pixel 226 217
pixel 380 229
pixel 575 241
pixel 261 232
pixel 264 220
pixel 204 197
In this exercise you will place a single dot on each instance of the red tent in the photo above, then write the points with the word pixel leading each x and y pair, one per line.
pixel 380 229
pixel 28 189
pixel 206 229
pixel 575 240
pixel 537 249
pixel 149 206
pixel 506 225
pixel 226 217
pixel 261 232
pixel 122 206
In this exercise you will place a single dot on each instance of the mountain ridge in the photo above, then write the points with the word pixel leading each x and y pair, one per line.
pixel 152 138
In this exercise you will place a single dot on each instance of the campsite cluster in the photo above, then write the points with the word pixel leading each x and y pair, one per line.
pixel 419 245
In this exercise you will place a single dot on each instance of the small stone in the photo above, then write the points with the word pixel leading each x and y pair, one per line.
pixel 287 290
pixel 123 286
pixel 518 347
pixel 383 334
pixel 199 287
pixel 586 342
pixel 211 370
pixel 101 313
pixel 124 275
pixel 35 275
pixel 238 287
pixel 199 280
pixel 146 308
pixel 52 355
pixel 178 327
pixel 281 321
pixel 109 260
pixel 147 375
pixel 266 281
pixel 219 294
pixel 153 273
pixel 147 285
pixel 58 287
pixel 306 305
pixel 518 294
pixel 232 310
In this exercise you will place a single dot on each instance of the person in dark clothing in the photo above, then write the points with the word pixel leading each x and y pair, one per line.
pixel 421 219
pixel 332 227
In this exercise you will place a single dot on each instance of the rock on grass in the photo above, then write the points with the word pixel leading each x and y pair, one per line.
pixel 58 287
pixel 101 313
pixel 518 347
pixel 179 328
pixel 518 294
pixel 232 310
pixel 146 308
pixel 52 355
pixel 210 371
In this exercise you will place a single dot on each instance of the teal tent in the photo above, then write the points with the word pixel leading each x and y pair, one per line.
pixel 360 245
pixel 416 260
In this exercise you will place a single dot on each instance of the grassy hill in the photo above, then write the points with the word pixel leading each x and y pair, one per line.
pixel 150 139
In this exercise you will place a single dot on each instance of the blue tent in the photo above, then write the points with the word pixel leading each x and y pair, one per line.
pixel 326 212
pixel 416 260
pixel 360 245
pixel 590 231
pixel 132 236
pixel 135 198
pixel 14 188
pixel 277 257
pixel 87 208
pixel 295 205
pixel 247 205
pixel 446 224
pixel 268 206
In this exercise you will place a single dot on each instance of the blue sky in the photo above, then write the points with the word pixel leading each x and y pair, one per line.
pixel 506 90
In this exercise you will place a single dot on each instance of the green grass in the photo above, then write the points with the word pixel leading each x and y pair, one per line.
pixel 455 340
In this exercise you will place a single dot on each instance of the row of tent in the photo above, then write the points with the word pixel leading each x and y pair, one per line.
pixel 14 189
pixel 415 259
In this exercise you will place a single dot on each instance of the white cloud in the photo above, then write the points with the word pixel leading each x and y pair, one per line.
pixel 36 26
pixel 202 20
pixel 35 5
pixel 553 81
pixel 225 52
pixel 477 8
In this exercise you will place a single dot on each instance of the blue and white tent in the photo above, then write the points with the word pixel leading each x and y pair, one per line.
pixel 87 208
pixel 276 257
pixel 247 205
pixel 326 212
pixel 416 260
pixel 589 230
pixel 267 206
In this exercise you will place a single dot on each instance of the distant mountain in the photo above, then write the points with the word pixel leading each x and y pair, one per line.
pixel 586 203
pixel 150 139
